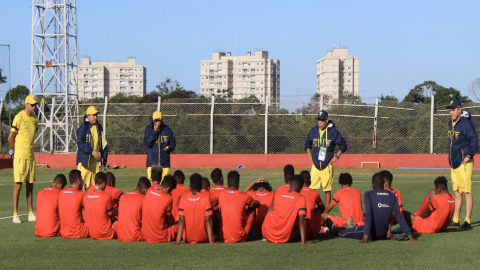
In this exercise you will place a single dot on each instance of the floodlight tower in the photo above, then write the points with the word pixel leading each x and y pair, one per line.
pixel 54 74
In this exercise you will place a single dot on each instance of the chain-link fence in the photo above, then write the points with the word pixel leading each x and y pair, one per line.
pixel 204 126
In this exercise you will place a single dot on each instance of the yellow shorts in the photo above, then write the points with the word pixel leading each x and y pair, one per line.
pixel 24 170
pixel 324 177
pixel 462 177
pixel 164 172
pixel 88 175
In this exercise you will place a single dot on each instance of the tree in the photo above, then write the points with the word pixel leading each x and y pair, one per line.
pixel 172 89
pixel 18 95
pixel 349 98
pixel 389 99
pixel 2 79
pixel 474 89
pixel 422 93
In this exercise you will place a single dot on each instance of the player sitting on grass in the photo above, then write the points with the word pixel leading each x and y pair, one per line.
pixel 130 212
pixel 436 210
pixel 156 175
pixel 205 184
pixel 99 210
pixel 261 191
pixel 195 212
pixel 236 221
pixel 388 177
pixel 286 207
pixel 157 219
pixel 313 218
pixel 217 179
pixel 113 191
pixel 70 207
pixel 48 220
pixel 178 192
pixel 350 203
pixel 379 205
pixel 288 173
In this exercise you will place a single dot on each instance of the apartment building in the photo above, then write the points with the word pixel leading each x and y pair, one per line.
pixel 337 73
pixel 242 75
pixel 106 79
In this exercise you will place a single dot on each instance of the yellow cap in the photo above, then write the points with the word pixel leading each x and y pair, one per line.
pixel 92 110
pixel 30 100
pixel 157 115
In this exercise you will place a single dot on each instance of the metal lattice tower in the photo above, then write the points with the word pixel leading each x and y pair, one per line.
pixel 54 73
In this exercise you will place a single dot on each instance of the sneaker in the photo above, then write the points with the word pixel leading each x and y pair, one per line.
pixel 263 239
pixel 453 224
pixel 16 219
pixel 32 218
pixel 466 225
pixel 398 230
pixel 350 223
pixel 329 224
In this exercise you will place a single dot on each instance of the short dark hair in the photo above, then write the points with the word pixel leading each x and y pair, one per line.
pixel 378 179
pixel 387 176
pixel 216 175
pixel 169 182
pixel 60 179
pixel 144 183
pixel 100 178
pixel 233 179
pixel 345 179
pixel 110 179
pixel 196 182
pixel 156 173
pixel 441 182
pixel 265 185
pixel 297 181
pixel 179 176
pixel 288 172
pixel 205 183
pixel 74 175
pixel 306 177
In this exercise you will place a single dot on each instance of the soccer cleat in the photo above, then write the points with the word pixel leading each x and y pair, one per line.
pixel 453 224
pixel 32 218
pixel 398 230
pixel 350 223
pixel 466 225
pixel 16 219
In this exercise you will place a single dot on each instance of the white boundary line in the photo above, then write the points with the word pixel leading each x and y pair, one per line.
pixel 12 216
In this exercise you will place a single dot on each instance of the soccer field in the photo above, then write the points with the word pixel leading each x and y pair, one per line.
pixel 19 248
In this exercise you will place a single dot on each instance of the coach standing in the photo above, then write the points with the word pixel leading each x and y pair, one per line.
pixel 320 146
pixel 463 142
pixel 21 137
pixel 160 143
pixel 91 147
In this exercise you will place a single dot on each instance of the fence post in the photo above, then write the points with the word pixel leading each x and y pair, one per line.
pixel 211 124
pixel 432 109
pixel 375 121
pixel 1 109
pixel 50 124
pixel 267 104
pixel 159 102
pixel 105 115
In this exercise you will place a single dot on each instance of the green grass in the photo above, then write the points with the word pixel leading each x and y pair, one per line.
pixel 19 248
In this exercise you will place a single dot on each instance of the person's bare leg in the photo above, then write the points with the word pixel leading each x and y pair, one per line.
pixel 29 194
pixel 328 198
pixel 16 194
pixel 458 204
pixel 468 205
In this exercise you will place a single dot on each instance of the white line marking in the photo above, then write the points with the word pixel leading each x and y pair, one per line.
pixel 12 216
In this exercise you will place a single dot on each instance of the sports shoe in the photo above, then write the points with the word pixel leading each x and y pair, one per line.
pixel 16 219
pixel 350 223
pixel 466 225
pixel 32 218
pixel 453 224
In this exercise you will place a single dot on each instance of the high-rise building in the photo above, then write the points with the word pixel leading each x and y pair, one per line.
pixel 241 76
pixel 100 79
pixel 337 73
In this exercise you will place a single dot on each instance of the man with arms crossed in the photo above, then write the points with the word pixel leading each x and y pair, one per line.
pixel 320 146
pixel 463 142
pixel 21 137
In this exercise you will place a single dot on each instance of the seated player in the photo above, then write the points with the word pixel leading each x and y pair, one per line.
pixel 195 212
pixel 205 184
pixel 70 207
pixel 178 192
pixel 388 177
pixel 158 224
pixel 98 213
pixel 156 175
pixel 313 218
pixel 288 173
pixel 235 219
pixel 350 203
pixel 113 191
pixel 436 210
pixel 286 207
pixel 379 205
pixel 261 191
pixel 48 220
pixel 130 212
pixel 217 179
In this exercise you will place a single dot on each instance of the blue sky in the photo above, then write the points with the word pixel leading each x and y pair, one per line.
pixel 399 43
